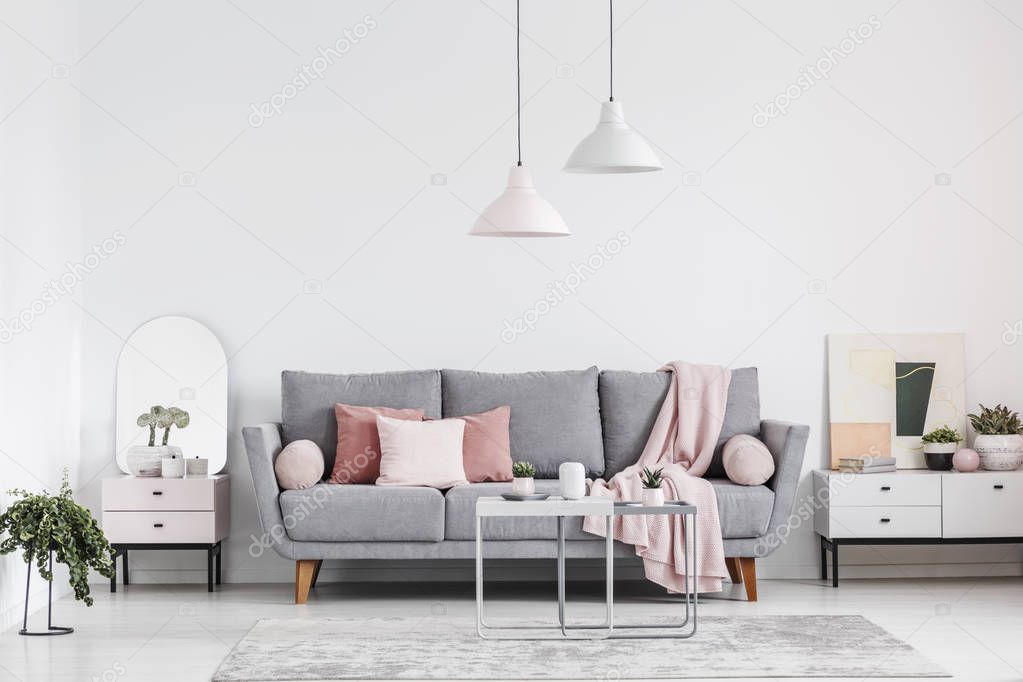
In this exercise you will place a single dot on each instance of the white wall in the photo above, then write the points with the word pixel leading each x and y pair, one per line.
pixel 40 231
pixel 752 245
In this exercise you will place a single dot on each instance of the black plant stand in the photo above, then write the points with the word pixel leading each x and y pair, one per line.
pixel 51 629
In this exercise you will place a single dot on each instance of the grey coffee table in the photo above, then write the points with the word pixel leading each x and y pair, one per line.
pixel 589 506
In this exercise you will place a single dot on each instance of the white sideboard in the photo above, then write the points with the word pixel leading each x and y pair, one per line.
pixel 915 506
pixel 167 513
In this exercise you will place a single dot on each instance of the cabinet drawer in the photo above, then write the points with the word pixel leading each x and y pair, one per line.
pixel 885 522
pixel 981 505
pixel 171 494
pixel 162 527
pixel 890 490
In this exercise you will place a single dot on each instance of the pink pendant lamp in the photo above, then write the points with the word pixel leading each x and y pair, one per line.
pixel 519 211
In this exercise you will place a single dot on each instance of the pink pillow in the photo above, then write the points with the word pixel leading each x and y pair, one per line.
pixel 299 465
pixel 421 453
pixel 358 444
pixel 486 446
pixel 747 461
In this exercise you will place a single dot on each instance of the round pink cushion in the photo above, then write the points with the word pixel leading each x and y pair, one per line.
pixel 747 461
pixel 300 465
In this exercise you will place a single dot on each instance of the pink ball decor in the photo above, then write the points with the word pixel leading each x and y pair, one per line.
pixel 966 460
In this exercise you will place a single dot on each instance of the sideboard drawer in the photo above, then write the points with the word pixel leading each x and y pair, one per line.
pixel 983 504
pixel 885 522
pixel 171 494
pixel 163 527
pixel 865 490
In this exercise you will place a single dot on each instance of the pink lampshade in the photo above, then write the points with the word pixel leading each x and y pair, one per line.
pixel 519 212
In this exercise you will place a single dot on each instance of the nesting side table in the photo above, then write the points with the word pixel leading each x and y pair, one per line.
pixel 167 513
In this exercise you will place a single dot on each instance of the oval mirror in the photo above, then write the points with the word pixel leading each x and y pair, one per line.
pixel 174 362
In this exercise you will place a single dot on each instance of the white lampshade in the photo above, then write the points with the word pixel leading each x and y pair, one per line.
pixel 613 147
pixel 519 212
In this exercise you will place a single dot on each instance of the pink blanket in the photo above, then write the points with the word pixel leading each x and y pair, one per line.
pixel 682 442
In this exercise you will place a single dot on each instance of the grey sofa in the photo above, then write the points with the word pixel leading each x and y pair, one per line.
pixel 599 418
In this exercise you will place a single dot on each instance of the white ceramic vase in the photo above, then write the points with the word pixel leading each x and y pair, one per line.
pixel 572 476
pixel 999 452
pixel 653 497
pixel 523 486
pixel 144 461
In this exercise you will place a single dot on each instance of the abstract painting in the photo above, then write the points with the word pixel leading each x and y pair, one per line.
pixel 886 390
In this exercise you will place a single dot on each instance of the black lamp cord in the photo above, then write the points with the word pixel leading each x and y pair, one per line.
pixel 518 82
pixel 611 51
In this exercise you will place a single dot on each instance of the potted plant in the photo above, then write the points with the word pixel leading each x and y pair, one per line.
pixel 522 478
pixel 939 447
pixel 998 440
pixel 145 460
pixel 41 525
pixel 653 493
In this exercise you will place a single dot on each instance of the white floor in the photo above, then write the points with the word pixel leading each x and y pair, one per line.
pixel 972 627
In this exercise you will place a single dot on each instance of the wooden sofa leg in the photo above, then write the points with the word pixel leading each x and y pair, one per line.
pixel 733 570
pixel 316 572
pixel 748 569
pixel 304 570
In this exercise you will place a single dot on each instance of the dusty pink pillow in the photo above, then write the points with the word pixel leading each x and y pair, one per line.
pixel 421 453
pixel 358 443
pixel 299 465
pixel 486 446
pixel 747 461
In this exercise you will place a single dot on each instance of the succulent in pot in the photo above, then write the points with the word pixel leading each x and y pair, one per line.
pixel 653 493
pixel 522 478
pixel 998 440
pixel 940 446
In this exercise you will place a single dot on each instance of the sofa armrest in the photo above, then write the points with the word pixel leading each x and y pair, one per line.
pixel 262 445
pixel 787 443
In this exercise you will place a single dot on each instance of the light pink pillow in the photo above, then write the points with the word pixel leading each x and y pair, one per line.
pixel 299 465
pixel 486 446
pixel 421 453
pixel 747 461
pixel 358 445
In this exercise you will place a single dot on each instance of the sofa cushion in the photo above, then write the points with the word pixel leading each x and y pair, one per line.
pixel 555 416
pixel 744 510
pixel 363 513
pixel 460 516
pixel 630 402
pixel 307 401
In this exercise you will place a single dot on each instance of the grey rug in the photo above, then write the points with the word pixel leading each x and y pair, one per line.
pixel 443 648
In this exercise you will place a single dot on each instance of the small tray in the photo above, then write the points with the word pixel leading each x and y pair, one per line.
pixel 535 497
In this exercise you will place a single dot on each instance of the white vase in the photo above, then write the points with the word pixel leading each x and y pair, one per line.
pixel 523 486
pixel 144 461
pixel 653 497
pixel 172 466
pixel 572 476
pixel 999 452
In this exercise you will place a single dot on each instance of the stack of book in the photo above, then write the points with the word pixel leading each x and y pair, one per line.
pixel 866 465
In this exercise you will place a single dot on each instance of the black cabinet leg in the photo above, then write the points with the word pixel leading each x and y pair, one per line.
pixel 124 566
pixel 220 551
pixel 824 559
pixel 209 570
pixel 113 576
pixel 834 564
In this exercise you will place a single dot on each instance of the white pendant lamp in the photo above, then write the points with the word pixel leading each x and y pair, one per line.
pixel 519 211
pixel 613 147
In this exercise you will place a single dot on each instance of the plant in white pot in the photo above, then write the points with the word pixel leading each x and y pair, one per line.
pixel 939 447
pixel 144 460
pixel 522 478
pixel 653 493
pixel 998 440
